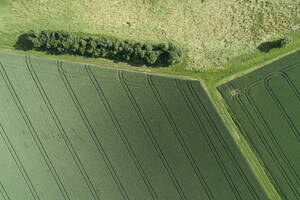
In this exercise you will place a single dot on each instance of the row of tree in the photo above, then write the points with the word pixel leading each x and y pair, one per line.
pixel 62 42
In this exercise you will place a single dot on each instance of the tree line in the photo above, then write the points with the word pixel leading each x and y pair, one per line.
pixel 63 42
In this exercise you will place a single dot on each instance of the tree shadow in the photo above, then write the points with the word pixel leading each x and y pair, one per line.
pixel 267 46
pixel 23 43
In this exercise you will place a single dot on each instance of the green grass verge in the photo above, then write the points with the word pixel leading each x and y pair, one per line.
pixel 274 94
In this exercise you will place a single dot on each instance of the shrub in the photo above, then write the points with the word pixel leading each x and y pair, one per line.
pixel 285 41
pixel 24 42
pixel 61 42
pixel 267 46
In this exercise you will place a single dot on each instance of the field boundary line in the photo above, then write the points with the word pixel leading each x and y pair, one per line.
pixel 121 133
pixel 208 139
pixel 92 132
pixel 221 139
pixel 4 192
pixel 249 140
pixel 257 130
pixel 253 68
pixel 261 163
pixel 179 138
pixel 60 128
pixel 151 136
pixel 262 137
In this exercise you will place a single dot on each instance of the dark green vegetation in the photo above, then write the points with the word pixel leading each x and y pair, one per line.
pixel 265 105
pixel 62 42
pixel 267 46
pixel 70 131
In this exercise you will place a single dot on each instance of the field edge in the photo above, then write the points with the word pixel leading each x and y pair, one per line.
pixel 229 120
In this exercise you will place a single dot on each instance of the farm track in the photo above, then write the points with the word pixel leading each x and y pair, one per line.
pixel 222 141
pixel 151 136
pixel 263 139
pixel 62 131
pixel 77 142
pixel 287 117
pixel 283 171
pixel 249 108
pixel 121 133
pixel 35 136
pixel 291 84
pixel 281 108
pixel 208 141
pixel 92 132
pixel 180 139
pixel 253 123
pixel 258 131
pixel 3 192
pixel 18 162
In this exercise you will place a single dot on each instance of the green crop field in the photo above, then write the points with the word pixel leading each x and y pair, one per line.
pixel 72 131
pixel 265 105
pixel 208 127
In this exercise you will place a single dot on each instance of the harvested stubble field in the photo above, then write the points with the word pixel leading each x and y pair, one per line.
pixel 265 105
pixel 71 131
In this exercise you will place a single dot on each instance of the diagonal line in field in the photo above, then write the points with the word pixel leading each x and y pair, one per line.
pixel 121 132
pixel 222 141
pixel 179 137
pixel 61 130
pixel 30 127
pixel 290 123
pixel 4 192
pixel 208 139
pixel 280 107
pixel 19 164
pixel 92 132
pixel 151 136
pixel 291 84
pixel 262 137
pixel 253 124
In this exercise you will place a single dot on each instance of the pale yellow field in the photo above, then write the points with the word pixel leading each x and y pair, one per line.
pixel 212 32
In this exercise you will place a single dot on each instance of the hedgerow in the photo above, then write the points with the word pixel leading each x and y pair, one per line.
pixel 62 42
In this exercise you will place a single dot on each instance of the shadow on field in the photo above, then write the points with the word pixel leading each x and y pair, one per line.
pixel 267 46
pixel 23 44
